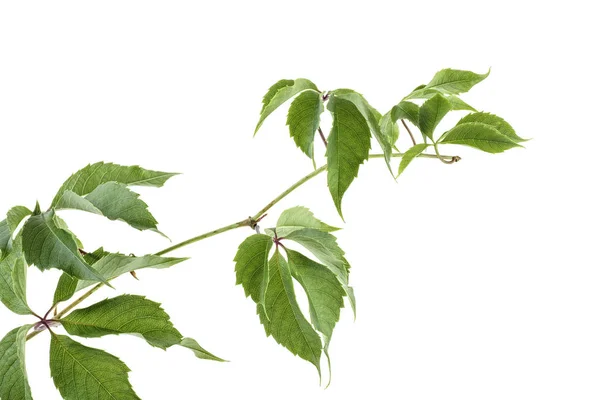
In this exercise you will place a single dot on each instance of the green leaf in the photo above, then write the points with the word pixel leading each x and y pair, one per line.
pixel 281 92
pixel 325 293
pixel 450 81
pixel 84 373
pixel 493 120
pixel 110 265
pixel 403 110
pixel 282 317
pixel 480 136
pixel 198 350
pixel 458 104
pixel 348 147
pixel 5 238
pixel 324 246
pixel 71 201
pixel 304 116
pixel 252 266
pixel 13 278
pixel 89 178
pixel 15 215
pixel 117 202
pixel 410 155
pixel 124 314
pixel 431 113
pixel 48 246
pixel 304 218
pixel 13 374
pixel 373 118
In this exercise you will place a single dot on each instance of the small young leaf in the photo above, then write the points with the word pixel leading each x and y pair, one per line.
pixel 15 215
pixel 303 119
pixel 490 119
pixel 48 246
pixel 303 217
pixel 431 113
pixel 480 136
pixel 281 92
pixel 372 117
pixel 117 202
pixel 252 266
pixel 110 265
pixel 13 374
pixel 325 293
pixel 450 81
pixel 124 314
pixel 410 155
pixel 13 277
pixel 282 317
pixel 84 373
pixel 89 178
pixel 348 147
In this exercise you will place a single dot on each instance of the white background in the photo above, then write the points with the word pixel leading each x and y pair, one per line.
pixel 477 280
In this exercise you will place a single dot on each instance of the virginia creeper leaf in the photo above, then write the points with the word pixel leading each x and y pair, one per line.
pixel 252 266
pixel 304 116
pixel 84 373
pixel 403 110
pixel 110 265
pixel 117 202
pixel 304 218
pixel 450 81
pixel 89 178
pixel 198 350
pixel 490 119
pixel 13 374
pixel 480 136
pixel 15 215
pixel 281 92
pixel 5 238
pixel 124 314
pixel 431 113
pixel 48 246
pixel 325 293
pixel 72 201
pixel 282 317
pixel 348 147
pixel 410 155
pixel 372 117
pixel 13 277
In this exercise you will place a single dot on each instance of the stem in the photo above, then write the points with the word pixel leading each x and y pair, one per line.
pixel 409 132
pixel 452 160
pixel 322 137
pixel 251 221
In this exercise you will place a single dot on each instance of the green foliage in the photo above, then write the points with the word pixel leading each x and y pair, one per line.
pixel 80 372
pixel 299 253
pixel 13 375
pixel 46 245
pixel 303 119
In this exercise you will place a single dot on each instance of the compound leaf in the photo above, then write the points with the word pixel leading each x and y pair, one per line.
pixel 410 155
pixel 13 374
pixel 89 178
pixel 84 373
pixel 348 147
pixel 281 92
pixel 431 113
pixel 282 317
pixel 304 116
pixel 480 136
pixel 46 245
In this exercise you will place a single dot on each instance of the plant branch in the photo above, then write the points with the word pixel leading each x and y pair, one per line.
pixel 444 159
pixel 250 222
pixel 409 132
